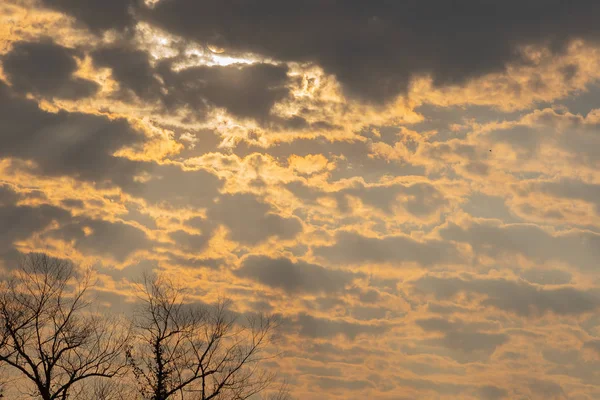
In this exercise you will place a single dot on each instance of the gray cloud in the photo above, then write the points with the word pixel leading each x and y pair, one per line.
pixel 594 345
pixel 489 392
pixel 547 389
pixel 575 134
pixel 132 69
pixel 251 221
pixel 193 243
pixel 97 15
pixel 444 388
pixel 247 91
pixel 354 248
pixel 547 276
pixel 375 48
pixel 20 222
pixel 571 189
pixel 335 383
pixel 463 337
pixel 314 327
pixel 517 297
pixel 294 277
pixel 578 248
pixel 419 199
pixel 74 144
pixel 46 68
pixel 172 185
pixel 103 238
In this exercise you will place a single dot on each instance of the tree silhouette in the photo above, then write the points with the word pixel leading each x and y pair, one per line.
pixel 193 351
pixel 48 334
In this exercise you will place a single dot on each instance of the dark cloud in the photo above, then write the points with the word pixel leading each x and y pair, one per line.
pixel 45 68
pixel 194 243
pixel 420 199
pixel 171 185
pixel 353 248
pixel 133 272
pixel 350 156
pixel 374 48
pixel 547 389
pixel 361 313
pixel 445 388
pixel 132 69
pixel 571 189
pixel 318 370
pixel 72 144
pixel 463 337
pixel 294 277
pixel 251 221
pixel 516 297
pixel 369 296
pixel 490 207
pixel 244 90
pixel 547 276
pixel 190 261
pixel 247 91
pixel 97 15
pixel 574 362
pixel 593 345
pixel 576 135
pixel 579 248
pixel 325 328
pixel 492 393
pixel 335 383
pixel 20 222
pixel 102 238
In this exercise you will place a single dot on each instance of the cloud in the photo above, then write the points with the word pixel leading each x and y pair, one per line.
pixel 315 327
pixel 419 199
pixel 547 276
pixel 170 184
pixel 294 277
pixel 570 189
pixel 102 238
pixel 354 248
pixel 335 383
pixel 45 68
pixel 66 143
pixel 131 68
pixel 20 222
pixel 244 90
pixel 251 221
pixel 463 337
pixel 374 49
pixel 535 134
pixel 97 15
pixel 520 298
pixel 580 249
pixel 489 392
pixel 547 389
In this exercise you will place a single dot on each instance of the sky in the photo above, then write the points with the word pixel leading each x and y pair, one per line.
pixel 413 186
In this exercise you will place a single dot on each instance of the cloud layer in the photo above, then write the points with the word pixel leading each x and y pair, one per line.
pixel 413 187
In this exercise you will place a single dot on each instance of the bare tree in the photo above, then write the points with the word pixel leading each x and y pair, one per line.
pixel 188 351
pixel 49 336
